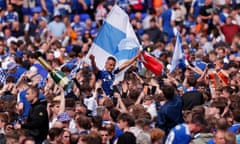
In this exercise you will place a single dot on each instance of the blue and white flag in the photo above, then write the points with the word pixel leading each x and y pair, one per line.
pixel 178 58
pixel 75 69
pixel 116 38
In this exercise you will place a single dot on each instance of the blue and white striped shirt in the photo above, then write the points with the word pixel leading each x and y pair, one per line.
pixel 180 134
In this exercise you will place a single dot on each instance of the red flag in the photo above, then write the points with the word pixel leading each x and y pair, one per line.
pixel 151 63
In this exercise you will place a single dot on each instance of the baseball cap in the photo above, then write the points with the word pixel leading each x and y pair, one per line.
pixel 11 65
pixel 63 117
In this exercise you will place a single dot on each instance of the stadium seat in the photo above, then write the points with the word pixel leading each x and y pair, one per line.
pixel 26 11
pixel 144 15
pixel 29 11
pixel 131 16
pixel 84 17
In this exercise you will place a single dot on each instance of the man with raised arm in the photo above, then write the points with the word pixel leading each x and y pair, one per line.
pixel 107 75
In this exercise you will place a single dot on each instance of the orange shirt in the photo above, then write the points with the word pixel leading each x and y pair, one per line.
pixel 199 28
pixel 72 35
pixel 157 3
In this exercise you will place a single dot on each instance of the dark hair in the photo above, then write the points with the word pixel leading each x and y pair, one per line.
pixel 114 113
pixel 1 39
pixel 111 58
pixel 97 121
pixel 151 11
pixel 228 89
pixel 127 118
pixel 133 94
pixel 208 127
pixel 191 81
pixel 92 138
pixel 35 55
pixel 235 102
pixel 54 102
pixel 236 115
pixel 54 132
pixel 74 138
pixel 85 87
pixel 77 49
pixel 72 54
pixel 110 128
pixel 27 139
pixel 233 64
pixel 18 60
pixel 222 124
pixel 220 60
pixel 153 20
pixel 222 48
pixel 3 117
pixel 141 122
pixel 127 138
pixel 103 128
pixel 198 110
pixel 57 61
pixel 108 103
pixel 66 69
pixel 57 43
pixel 84 122
pixel 34 89
pixel 70 102
pixel 10 79
pixel 219 103
pixel 168 91
pixel 198 119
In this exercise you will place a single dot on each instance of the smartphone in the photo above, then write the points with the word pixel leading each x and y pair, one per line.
pixel 153 90
pixel 146 89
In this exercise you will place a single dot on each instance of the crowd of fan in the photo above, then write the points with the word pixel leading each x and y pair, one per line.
pixel 196 104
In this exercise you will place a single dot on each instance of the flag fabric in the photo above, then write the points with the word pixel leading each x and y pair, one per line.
pixel 116 38
pixel 151 63
pixel 75 69
pixel 178 58
pixel 3 76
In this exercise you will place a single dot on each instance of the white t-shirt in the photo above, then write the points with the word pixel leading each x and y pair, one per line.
pixel 91 104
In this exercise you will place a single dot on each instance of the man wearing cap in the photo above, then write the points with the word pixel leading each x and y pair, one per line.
pixel 56 28
pixel 12 70
pixel 66 121
pixel 37 122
